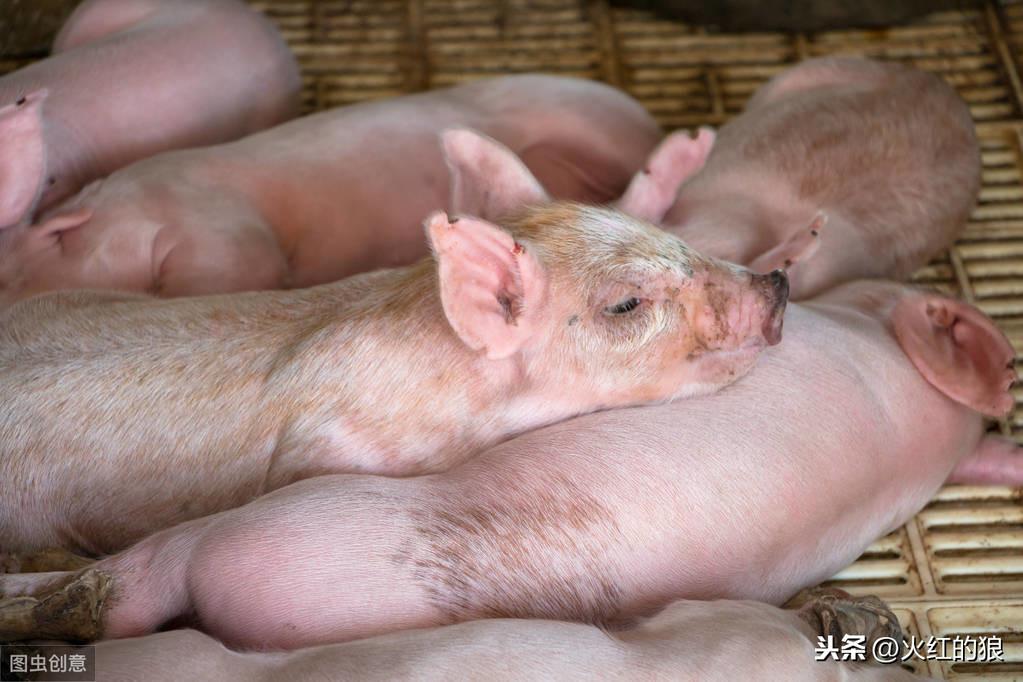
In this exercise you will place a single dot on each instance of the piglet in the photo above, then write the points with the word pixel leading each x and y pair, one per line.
pixel 881 156
pixel 838 435
pixel 128 79
pixel 164 410
pixel 323 197
pixel 688 640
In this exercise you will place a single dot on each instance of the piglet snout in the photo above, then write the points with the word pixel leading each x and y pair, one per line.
pixel 774 287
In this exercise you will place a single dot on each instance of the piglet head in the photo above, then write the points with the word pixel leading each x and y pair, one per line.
pixel 22 157
pixel 634 315
pixel 601 308
pixel 958 349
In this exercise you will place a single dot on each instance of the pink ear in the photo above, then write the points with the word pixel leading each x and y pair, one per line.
pixel 22 157
pixel 796 249
pixel 490 286
pixel 62 221
pixel 487 179
pixel 959 350
pixel 653 190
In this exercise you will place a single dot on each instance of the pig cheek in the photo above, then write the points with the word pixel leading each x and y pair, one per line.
pixel 721 370
pixel 707 327
pixel 677 352
pixel 694 319
pixel 575 360
pixel 704 366
pixel 682 371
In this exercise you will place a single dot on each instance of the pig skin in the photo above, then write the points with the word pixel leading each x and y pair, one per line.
pixel 189 406
pixel 322 197
pixel 131 78
pixel 886 152
pixel 699 641
pixel 769 486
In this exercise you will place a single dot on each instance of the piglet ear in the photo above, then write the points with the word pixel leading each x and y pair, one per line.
pixel 799 247
pixel 487 179
pixel 62 221
pixel 22 157
pixel 958 349
pixel 653 190
pixel 491 287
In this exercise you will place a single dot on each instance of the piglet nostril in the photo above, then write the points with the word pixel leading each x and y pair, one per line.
pixel 774 286
pixel 775 289
pixel 780 283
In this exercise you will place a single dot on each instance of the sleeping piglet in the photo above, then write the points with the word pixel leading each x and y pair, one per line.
pixel 687 640
pixel 128 79
pixel 322 197
pixel 838 436
pixel 884 153
pixel 163 410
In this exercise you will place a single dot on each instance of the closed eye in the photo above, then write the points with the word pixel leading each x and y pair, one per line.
pixel 625 306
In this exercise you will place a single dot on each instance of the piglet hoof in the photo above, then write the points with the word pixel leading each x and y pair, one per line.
pixel 835 612
pixel 72 613
pixel 43 561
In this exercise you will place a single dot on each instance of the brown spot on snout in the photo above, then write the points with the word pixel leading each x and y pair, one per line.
pixel 718 302
pixel 21 101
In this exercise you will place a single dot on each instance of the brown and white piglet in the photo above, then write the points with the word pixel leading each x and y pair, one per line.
pixel 159 411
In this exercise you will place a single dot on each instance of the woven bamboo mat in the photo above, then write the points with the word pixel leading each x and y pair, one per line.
pixel 957 568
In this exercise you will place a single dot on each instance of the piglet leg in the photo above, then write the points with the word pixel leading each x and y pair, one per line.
pixel 835 612
pixel 996 461
pixel 71 613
